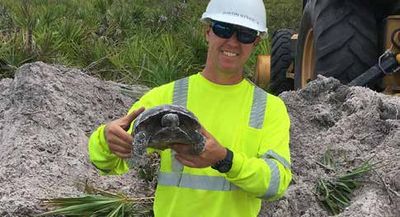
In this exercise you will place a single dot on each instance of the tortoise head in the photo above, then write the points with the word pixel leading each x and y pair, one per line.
pixel 170 120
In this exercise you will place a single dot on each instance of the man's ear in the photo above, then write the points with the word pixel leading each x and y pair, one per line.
pixel 207 30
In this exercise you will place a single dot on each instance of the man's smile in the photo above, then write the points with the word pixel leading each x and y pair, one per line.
pixel 229 53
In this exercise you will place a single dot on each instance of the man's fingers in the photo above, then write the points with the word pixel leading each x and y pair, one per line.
pixel 184 161
pixel 122 155
pixel 127 120
pixel 205 133
pixel 119 141
pixel 120 134
pixel 118 150
pixel 115 141
pixel 181 148
pixel 115 134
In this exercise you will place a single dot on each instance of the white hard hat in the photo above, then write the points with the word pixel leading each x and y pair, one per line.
pixel 246 13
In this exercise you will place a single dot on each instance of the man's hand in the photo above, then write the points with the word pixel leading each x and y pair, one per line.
pixel 118 140
pixel 212 153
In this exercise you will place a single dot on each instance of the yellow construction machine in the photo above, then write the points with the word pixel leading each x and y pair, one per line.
pixel 355 41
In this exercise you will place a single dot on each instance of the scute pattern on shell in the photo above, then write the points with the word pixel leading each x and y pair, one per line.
pixel 161 126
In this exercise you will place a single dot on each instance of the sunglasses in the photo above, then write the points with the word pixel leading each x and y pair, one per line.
pixel 226 30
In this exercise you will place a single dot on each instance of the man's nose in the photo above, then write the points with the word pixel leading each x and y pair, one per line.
pixel 233 39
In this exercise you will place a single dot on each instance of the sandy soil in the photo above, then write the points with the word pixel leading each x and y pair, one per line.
pixel 357 124
pixel 48 112
pixel 46 116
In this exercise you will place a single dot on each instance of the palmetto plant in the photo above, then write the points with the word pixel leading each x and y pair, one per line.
pixel 97 34
pixel 335 191
pixel 100 203
pixel 130 41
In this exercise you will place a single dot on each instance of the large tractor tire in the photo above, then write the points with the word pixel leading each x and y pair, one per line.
pixel 281 59
pixel 337 38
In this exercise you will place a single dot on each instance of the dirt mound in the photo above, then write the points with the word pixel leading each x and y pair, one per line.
pixel 357 124
pixel 48 112
pixel 46 116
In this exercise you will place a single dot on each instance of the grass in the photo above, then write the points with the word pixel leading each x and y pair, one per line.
pixel 129 41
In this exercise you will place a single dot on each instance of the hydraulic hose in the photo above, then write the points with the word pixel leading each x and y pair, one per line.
pixel 388 63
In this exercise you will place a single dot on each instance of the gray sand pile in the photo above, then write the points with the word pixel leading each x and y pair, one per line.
pixel 48 112
pixel 357 124
pixel 46 116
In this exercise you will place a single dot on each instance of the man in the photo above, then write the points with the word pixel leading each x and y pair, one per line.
pixel 246 157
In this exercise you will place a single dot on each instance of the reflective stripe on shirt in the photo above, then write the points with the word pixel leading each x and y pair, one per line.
pixel 274 181
pixel 275 172
pixel 258 107
pixel 274 155
pixel 213 183
pixel 181 88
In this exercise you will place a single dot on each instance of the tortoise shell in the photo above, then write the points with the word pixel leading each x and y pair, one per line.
pixel 164 125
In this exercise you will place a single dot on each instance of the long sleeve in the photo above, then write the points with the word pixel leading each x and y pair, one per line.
pixel 101 156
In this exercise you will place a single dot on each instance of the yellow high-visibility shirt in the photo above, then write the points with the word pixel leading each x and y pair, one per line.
pixel 242 117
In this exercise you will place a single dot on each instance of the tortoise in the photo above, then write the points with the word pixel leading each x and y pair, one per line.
pixel 164 125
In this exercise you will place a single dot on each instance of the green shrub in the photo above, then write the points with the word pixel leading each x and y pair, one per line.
pixel 130 41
